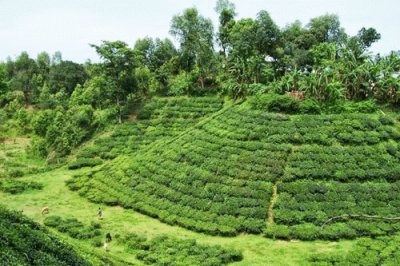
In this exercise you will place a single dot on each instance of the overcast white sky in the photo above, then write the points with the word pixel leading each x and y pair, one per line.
pixel 69 26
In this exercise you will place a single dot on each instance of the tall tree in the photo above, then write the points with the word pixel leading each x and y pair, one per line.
pixel 195 35
pixel 3 85
pixel 267 34
pixel 226 12
pixel 43 62
pixel 118 65
pixel 66 75
pixel 21 74
pixel 368 36
pixel 154 53
pixel 327 28
pixel 362 41
pixel 296 42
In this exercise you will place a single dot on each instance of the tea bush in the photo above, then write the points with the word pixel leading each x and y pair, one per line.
pixel 73 227
pixel 14 186
pixel 165 250
pixel 24 242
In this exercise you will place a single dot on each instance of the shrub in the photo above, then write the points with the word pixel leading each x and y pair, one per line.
pixel 306 231
pixel 310 106
pixel 52 221
pixel 386 120
pixel 97 242
pixel 165 250
pixel 275 103
pixel 181 84
pixel 18 186
pixel 84 162
pixel 73 227
pixel 363 107
pixel 277 231
pixel 15 173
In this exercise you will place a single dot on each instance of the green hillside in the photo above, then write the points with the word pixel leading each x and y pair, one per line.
pixel 160 118
pixel 24 242
pixel 232 141
pixel 247 170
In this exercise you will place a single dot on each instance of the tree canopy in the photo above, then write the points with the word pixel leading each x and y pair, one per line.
pixel 236 58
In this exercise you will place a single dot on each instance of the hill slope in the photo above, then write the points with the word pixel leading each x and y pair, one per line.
pixel 160 118
pixel 218 176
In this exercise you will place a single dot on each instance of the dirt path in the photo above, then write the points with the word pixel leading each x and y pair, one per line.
pixel 272 204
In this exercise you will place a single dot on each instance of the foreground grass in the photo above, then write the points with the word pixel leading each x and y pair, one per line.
pixel 256 249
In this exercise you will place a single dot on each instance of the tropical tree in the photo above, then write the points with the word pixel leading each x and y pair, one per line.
pixel 226 12
pixel 118 65
pixel 326 28
pixel 195 35
pixel 21 74
pixel 267 34
pixel 66 75
pixel 388 83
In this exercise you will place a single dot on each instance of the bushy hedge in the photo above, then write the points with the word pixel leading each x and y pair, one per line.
pixel 165 250
pixel 84 162
pixel 272 102
pixel 275 103
pixel 73 227
pixel 367 251
pixel 24 242
pixel 344 163
pixel 14 186
pixel 303 210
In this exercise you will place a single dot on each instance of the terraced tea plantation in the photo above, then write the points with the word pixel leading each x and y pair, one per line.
pixel 246 170
pixel 160 118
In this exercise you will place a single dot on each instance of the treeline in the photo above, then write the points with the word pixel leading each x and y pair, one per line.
pixel 240 57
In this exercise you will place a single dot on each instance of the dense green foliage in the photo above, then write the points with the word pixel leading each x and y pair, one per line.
pixel 217 177
pixel 84 162
pixel 161 118
pixel 165 250
pixel 288 104
pixel 63 103
pixel 14 186
pixel 306 156
pixel 368 252
pixel 73 227
pixel 23 242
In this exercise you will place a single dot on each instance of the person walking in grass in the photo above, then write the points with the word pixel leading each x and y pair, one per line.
pixel 108 237
pixel 107 241
pixel 100 213
pixel 105 246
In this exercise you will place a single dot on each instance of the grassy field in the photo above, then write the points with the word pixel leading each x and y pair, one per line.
pixel 256 249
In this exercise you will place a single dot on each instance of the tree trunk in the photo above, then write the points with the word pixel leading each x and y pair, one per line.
pixel 119 111
pixel 201 79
